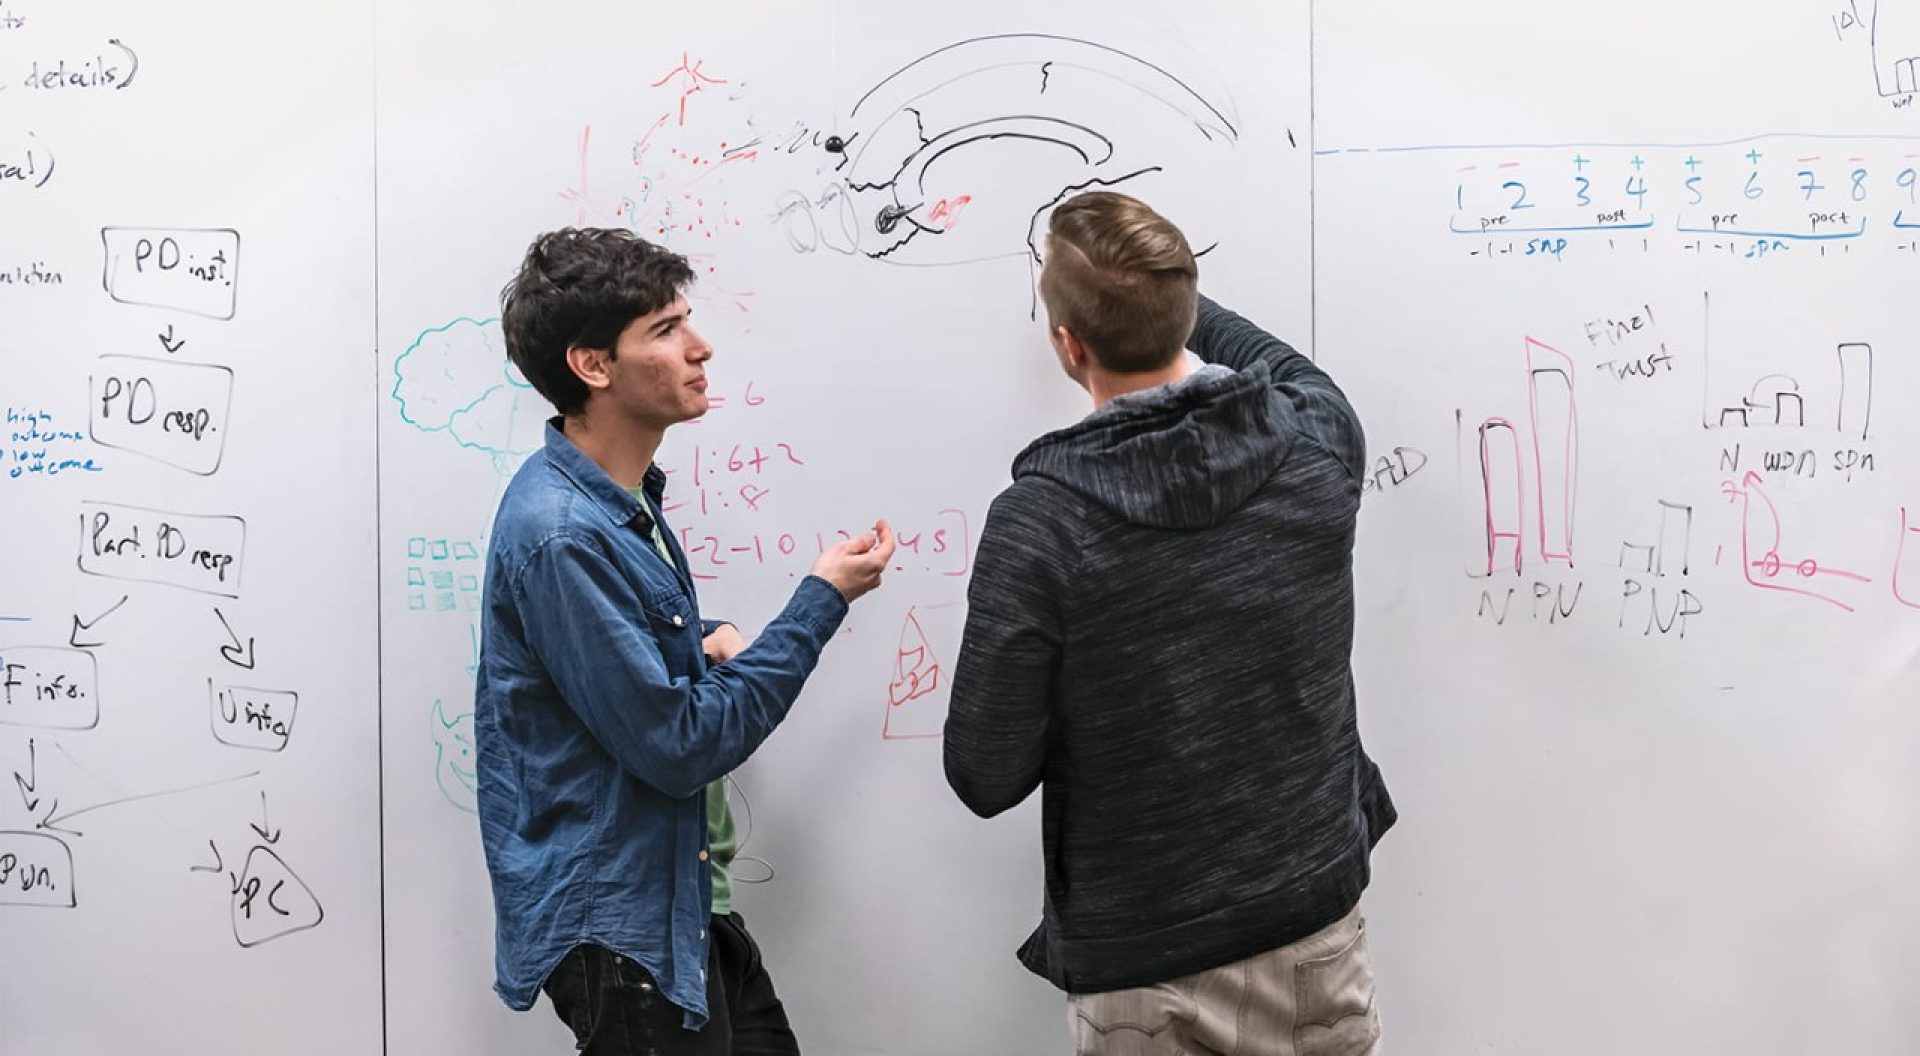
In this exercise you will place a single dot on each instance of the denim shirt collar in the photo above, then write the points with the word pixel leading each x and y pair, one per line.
pixel 616 502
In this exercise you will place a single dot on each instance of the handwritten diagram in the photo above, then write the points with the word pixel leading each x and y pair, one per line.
pixel 270 901
pixel 928 162
pixel 1752 199
pixel 1893 41
pixel 175 414
pixel 1823 390
pixel 1545 461
pixel 1770 556
pixel 1743 443
pixel 36 869
pixel 921 681
pixel 453 761
pixel 667 174
pixel 1523 476
pixel 166 409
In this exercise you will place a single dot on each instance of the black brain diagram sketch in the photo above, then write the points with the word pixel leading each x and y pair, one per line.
pixel 958 156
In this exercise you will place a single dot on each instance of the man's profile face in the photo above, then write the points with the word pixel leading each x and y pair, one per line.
pixel 658 373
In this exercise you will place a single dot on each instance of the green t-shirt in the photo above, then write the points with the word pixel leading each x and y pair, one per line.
pixel 722 839
pixel 722 842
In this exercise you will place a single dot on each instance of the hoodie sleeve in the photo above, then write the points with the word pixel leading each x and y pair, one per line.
pixel 1223 337
pixel 1000 716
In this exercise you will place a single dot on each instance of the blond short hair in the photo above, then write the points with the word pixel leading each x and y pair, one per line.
pixel 1122 279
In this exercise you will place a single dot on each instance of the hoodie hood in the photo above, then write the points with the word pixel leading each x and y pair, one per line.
pixel 1181 456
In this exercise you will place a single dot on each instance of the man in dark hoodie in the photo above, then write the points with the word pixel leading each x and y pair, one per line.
pixel 1159 631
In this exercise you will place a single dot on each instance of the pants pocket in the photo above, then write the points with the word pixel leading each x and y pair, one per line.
pixel 611 1004
pixel 1143 1021
pixel 1333 1002
pixel 576 992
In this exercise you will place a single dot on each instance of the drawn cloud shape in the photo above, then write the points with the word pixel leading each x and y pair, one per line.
pixel 456 379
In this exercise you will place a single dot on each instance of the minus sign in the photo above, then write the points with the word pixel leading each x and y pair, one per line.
pixel 1727 689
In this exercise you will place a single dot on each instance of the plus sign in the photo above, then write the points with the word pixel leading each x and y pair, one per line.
pixel 1637 163
pixel 1579 163
pixel 1754 156
pixel 1693 163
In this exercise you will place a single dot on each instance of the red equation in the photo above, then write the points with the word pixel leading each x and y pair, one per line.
pixel 941 544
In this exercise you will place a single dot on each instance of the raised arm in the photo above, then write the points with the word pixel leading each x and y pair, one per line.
pixel 1223 337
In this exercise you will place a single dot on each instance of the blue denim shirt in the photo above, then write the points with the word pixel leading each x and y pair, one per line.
pixel 599 726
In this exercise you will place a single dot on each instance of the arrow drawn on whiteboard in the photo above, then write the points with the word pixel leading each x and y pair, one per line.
pixel 218 862
pixel 168 342
pixel 26 783
pixel 79 625
pixel 48 822
pixel 53 819
pixel 265 828
pixel 238 655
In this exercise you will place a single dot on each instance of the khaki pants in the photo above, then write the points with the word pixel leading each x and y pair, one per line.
pixel 1311 998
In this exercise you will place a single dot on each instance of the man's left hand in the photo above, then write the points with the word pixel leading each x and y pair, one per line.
pixel 723 644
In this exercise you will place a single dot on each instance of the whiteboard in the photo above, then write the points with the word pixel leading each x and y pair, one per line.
pixel 1620 300
pixel 189 810
pixel 1637 636
pixel 866 366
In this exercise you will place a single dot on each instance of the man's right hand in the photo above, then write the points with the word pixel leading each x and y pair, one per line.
pixel 855 565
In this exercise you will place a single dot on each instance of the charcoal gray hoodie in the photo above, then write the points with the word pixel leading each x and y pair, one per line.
pixel 1159 632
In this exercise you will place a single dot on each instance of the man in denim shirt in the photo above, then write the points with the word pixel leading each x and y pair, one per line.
pixel 601 720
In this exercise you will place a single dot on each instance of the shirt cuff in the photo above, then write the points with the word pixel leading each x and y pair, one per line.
pixel 818 606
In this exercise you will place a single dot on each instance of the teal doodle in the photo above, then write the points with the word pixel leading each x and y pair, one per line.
pixel 456 380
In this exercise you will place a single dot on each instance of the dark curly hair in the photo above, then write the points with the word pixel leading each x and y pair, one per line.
pixel 579 288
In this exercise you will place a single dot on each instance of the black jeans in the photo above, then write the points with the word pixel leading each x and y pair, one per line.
pixel 616 1009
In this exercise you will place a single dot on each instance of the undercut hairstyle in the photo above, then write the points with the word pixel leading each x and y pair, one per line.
pixel 580 288
pixel 1122 279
